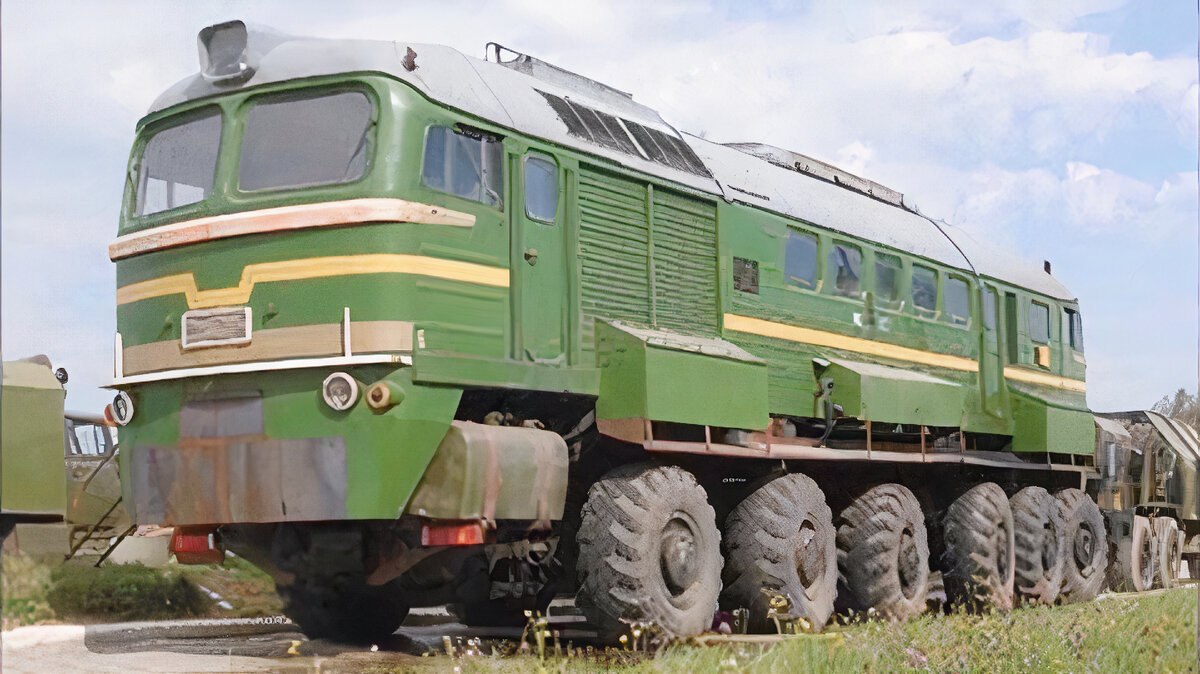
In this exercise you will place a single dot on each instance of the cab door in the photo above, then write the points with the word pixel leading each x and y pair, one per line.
pixel 991 364
pixel 539 278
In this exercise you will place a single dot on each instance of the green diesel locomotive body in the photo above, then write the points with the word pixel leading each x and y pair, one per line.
pixel 479 246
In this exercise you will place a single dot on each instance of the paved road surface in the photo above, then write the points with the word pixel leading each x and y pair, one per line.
pixel 235 645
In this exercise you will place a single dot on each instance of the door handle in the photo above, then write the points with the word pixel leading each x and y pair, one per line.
pixel 531 256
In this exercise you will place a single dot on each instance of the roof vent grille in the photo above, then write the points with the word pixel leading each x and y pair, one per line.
pixel 628 137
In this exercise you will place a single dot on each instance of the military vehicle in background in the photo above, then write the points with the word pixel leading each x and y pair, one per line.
pixel 1147 489
pixel 57 467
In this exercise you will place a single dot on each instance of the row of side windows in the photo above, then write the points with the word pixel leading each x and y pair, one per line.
pixel 1038 320
pixel 844 276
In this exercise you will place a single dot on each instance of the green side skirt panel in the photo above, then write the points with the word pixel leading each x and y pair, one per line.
pixel 881 393
pixel 664 376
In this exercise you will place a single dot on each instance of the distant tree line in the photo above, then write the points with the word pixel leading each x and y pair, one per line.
pixel 1182 406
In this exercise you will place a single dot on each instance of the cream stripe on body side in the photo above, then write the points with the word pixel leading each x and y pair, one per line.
pixel 317 267
pixel 285 218
pixel 792 333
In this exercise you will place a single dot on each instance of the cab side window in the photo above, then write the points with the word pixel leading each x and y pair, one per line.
pixel 463 163
pixel 541 188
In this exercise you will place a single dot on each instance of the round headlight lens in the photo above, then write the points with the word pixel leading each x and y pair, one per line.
pixel 122 408
pixel 340 391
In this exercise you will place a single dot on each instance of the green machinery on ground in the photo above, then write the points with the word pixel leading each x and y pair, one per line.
pixel 57 467
pixel 406 327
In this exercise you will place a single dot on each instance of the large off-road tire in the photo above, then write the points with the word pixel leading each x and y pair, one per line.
pixel 978 559
pixel 649 550
pixel 883 552
pixel 1170 552
pixel 781 538
pixel 1087 547
pixel 1040 545
pixel 1136 565
pixel 349 611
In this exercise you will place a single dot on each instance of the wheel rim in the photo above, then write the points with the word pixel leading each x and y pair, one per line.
pixel 807 555
pixel 1001 545
pixel 1169 563
pixel 1085 548
pixel 1147 555
pixel 678 556
pixel 1049 550
pixel 908 564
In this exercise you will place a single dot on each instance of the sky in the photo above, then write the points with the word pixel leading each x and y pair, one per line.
pixel 1065 131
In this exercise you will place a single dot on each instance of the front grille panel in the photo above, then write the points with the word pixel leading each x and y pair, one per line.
pixel 216 327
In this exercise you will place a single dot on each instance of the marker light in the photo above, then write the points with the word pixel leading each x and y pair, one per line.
pixel 121 409
pixel 452 533
pixel 340 391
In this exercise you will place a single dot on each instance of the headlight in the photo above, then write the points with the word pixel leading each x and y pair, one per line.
pixel 340 391
pixel 121 409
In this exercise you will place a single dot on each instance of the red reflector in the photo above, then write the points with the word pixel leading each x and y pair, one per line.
pixel 470 533
pixel 196 546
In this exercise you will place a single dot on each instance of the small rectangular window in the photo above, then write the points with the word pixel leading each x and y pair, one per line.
pixel 1039 322
pixel 845 266
pixel 465 164
pixel 1075 328
pixel 957 301
pixel 178 165
pixel 800 260
pixel 887 278
pixel 989 308
pixel 320 140
pixel 541 188
pixel 924 288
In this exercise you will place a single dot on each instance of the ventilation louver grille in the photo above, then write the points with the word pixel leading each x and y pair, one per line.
pixel 625 136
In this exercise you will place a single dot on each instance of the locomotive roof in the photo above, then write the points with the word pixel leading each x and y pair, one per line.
pixel 544 101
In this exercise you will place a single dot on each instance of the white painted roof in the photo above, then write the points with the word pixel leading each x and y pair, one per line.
pixel 507 97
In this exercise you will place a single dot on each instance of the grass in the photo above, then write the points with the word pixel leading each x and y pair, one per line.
pixel 1120 634
pixel 123 592
pixel 247 588
pixel 44 589
pixel 25 583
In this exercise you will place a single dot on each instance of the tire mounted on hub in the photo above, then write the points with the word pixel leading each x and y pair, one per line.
pixel 781 539
pixel 649 551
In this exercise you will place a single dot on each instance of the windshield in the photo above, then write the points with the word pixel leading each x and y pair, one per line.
pixel 305 142
pixel 177 165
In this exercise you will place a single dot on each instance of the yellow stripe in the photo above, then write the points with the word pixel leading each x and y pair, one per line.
pixel 833 340
pixel 792 333
pixel 317 267
pixel 1044 379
